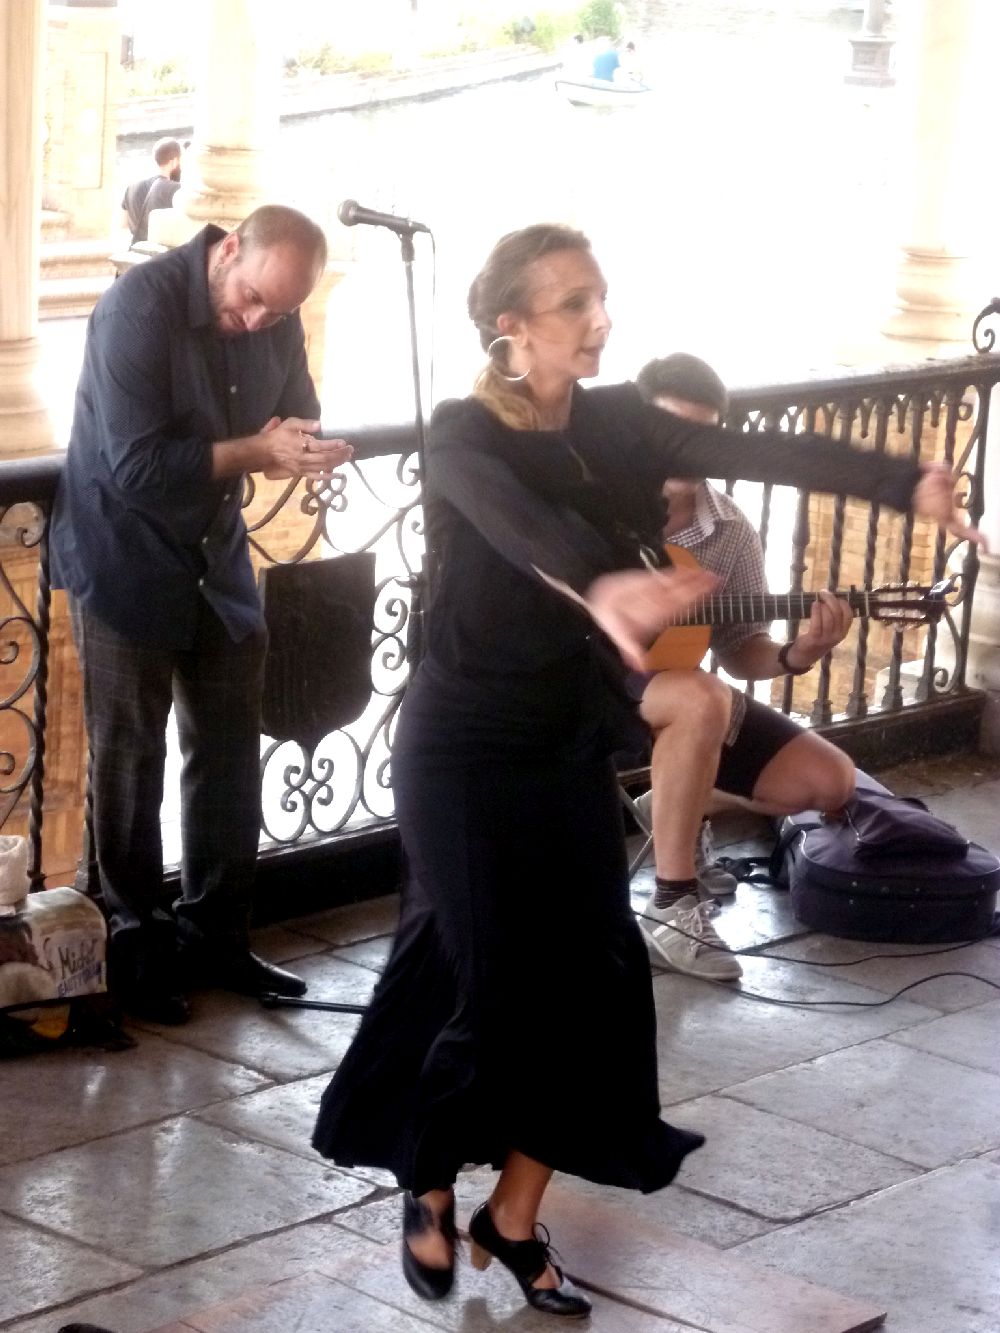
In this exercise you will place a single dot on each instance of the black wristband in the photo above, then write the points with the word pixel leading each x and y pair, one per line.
pixel 786 666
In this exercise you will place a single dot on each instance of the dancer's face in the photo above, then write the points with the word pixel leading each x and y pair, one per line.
pixel 562 335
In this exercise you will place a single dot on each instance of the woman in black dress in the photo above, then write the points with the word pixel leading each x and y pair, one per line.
pixel 514 1023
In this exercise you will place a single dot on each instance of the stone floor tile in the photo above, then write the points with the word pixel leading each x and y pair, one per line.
pixel 971 809
pixel 285 1116
pixel 887 1096
pixel 774 1167
pixel 311 1303
pixel 180 1189
pixel 186 1288
pixel 708 1036
pixel 40 1269
pixel 371 953
pixel 287 1042
pixel 281 944
pixel 890 967
pixel 353 922
pixel 925 1250
pixel 76 1095
pixel 971 1037
pixel 316 1303
pixel 939 773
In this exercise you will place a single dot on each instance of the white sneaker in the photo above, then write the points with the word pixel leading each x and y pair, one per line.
pixel 686 941
pixel 711 877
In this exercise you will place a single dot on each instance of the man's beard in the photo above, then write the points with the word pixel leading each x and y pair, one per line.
pixel 216 293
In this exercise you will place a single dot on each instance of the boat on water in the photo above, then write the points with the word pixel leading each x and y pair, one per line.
pixel 600 92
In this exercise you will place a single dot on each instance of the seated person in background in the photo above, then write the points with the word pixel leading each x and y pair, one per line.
pixel 157 191
pixel 714 748
pixel 628 71
pixel 605 63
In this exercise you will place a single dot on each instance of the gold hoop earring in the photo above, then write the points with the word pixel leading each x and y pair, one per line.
pixel 511 379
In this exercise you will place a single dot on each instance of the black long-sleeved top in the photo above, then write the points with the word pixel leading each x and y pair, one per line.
pixel 140 529
pixel 503 503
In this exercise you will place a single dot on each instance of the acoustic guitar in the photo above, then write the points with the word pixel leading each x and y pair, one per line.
pixel 684 643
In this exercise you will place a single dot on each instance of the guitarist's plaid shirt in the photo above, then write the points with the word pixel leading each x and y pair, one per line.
pixel 724 541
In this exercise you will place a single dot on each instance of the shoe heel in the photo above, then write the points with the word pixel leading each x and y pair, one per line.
pixel 479 1258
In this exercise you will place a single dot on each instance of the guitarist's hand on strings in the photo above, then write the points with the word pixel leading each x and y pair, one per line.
pixel 634 605
pixel 829 622
pixel 934 497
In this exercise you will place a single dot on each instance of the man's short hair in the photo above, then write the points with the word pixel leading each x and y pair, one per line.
pixel 276 224
pixel 165 150
pixel 681 375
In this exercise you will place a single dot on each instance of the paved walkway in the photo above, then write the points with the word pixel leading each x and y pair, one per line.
pixel 172 1186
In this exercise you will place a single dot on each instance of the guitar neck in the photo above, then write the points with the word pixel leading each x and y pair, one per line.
pixel 762 608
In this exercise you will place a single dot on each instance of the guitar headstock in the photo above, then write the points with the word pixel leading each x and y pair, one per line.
pixel 906 604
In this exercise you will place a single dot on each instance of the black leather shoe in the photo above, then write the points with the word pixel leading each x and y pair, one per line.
pixel 246 974
pixel 145 983
pixel 527 1260
pixel 427 1281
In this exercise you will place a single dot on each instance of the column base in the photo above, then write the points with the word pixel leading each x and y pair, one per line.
pixel 25 424
pixel 871 61
pixel 935 301
pixel 225 186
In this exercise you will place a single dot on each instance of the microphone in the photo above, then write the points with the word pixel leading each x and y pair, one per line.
pixel 351 213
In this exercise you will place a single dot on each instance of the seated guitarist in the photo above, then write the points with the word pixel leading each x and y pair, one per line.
pixel 714 748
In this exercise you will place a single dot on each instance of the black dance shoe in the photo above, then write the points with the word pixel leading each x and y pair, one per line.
pixel 427 1281
pixel 527 1260
pixel 244 973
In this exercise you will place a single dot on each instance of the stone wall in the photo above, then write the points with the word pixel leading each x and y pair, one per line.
pixel 83 51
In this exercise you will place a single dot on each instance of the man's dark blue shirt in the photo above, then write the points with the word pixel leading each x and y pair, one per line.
pixel 140 529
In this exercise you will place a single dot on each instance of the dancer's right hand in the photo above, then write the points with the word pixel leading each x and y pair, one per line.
pixel 634 605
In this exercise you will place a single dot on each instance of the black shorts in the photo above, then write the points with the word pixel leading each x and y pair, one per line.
pixel 764 732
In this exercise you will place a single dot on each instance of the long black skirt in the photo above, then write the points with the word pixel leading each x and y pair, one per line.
pixel 516 1009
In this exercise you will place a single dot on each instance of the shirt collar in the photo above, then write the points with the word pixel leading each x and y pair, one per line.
pixel 708 512
pixel 199 302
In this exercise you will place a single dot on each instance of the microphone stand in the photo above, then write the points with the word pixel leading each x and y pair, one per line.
pixel 417 584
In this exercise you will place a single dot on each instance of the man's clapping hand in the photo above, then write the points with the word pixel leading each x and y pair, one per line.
pixel 291 449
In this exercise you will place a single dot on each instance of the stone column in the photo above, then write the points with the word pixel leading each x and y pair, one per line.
pixel 24 422
pixel 947 83
pixel 81 115
pixel 236 120
pixel 871 50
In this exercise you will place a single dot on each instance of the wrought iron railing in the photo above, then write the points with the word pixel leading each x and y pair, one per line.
pixel 937 410
pixel 342 787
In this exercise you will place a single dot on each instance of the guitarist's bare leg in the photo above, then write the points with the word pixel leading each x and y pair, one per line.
pixel 689 712
pixel 806 774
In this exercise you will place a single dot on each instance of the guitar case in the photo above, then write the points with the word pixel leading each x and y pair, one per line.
pixel 888 871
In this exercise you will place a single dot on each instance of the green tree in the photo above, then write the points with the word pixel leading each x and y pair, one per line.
pixel 601 18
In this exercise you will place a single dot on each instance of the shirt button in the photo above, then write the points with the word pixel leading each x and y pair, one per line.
pixel 201 583
pixel 232 388
pixel 228 495
pixel 204 541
